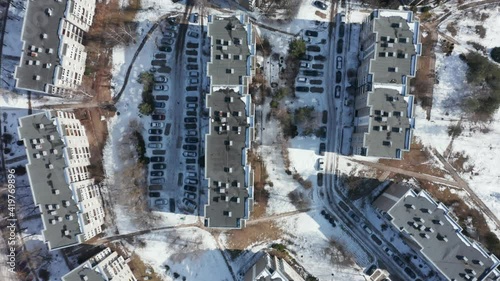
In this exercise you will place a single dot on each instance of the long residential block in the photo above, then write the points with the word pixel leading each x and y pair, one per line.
pixel 389 47
pixel 105 266
pixel 230 178
pixel 58 153
pixel 53 57
pixel 433 231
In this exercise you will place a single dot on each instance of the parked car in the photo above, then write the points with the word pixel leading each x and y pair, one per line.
pixel 160 79
pixel 190 147
pixel 410 272
pixel 155 138
pixel 339 62
pixel 192 45
pixel 320 5
pixel 194 81
pixel 191 181
pixel 155 131
pixel 157 159
pixel 191 88
pixel 189 154
pixel 167 41
pixel 191 113
pixel 398 261
pixel 190 120
pixel 159 152
pixel 161 97
pixel 191 175
pixel 192 60
pixel 159 166
pixel 154 187
pixel 367 229
pixel 169 34
pixel 388 251
pixel 191 105
pixel 190 126
pixel 194 74
pixel 306 57
pixel 193 34
pixel 155 145
pixel 158 117
pixel 302 89
pixel 337 91
pixel 304 65
pixel 156 173
pixel 338 77
pixel 191 140
pixel 191 133
pixel 160 87
pixel 321 164
pixel 191 161
pixel 193 18
pixel 313 48
pixel 190 188
pixel 157 181
pixel 192 67
pixel 322 148
pixel 311 33
pixel 154 194
pixel 190 204
pixel 190 195
pixel 156 124
pixel 159 202
pixel 159 104
pixel 192 99
pixel 167 49
pixel 191 167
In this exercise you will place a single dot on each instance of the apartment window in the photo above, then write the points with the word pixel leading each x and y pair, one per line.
pixel 229 71
pixel 386 143
pixel 381 54
pixel 390 54
pixel 392 69
pixel 403 40
pixel 396 113
pixel 388 98
pixel 396 129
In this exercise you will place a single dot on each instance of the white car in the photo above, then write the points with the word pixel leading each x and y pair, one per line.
pixel 321 164
pixel 156 125
pixel 194 81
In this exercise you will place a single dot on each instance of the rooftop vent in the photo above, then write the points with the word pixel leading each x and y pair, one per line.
pixel 49 12
pixel 462 258
pixel 410 206
pixel 44 36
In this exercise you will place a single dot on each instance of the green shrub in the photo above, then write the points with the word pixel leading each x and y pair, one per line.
pixel 278 247
pixel 141 148
pixel 147 105
pixel 297 48
pixel 274 104
pixel 146 108
pixel 454 130
pixel 303 114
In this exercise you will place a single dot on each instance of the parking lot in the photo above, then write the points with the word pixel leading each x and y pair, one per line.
pixel 173 130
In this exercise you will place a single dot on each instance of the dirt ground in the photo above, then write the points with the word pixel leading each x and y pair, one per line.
pixel 261 195
pixel 418 159
pixel 264 231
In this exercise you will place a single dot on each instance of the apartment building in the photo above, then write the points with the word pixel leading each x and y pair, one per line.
pixel 53 57
pixel 105 266
pixel 58 153
pixel 230 178
pixel 270 267
pixel 433 231
pixel 383 117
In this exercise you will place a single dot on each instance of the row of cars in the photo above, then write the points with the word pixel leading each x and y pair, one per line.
pixel 311 66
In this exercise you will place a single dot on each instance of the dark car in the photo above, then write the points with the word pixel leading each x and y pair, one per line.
pixel 191 167
pixel 313 48
pixel 320 5
pixel 157 173
pixel 338 77
pixel 319 179
pixel 193 34
pixel 191 52
pixel 191 45
pixel 191 113
pixel 191 161
pixel 190 195
pixel 191 88
pixel 410 272
pixel 189 154
pixel 320 58
pixel 155 131
pixel 190 188
pixel 322 148
pixel 306 57
pixel 190 120
pixel 154 194
pixel 318 90
pixel 190 126
pixel 318 66
pixel 165 49
pixel 155 138
pixel 398 261
pixel 309 72
pixel 159 166
pixel 157 159
pixel 192 60
pixel 315 82
pixel 191 99
pixel 191 140
pixel 341 30
pixel 311 33
pixel 159 104
pixel 190 147
pixel 340 46
pixel 302 89
pixel 158 117
pixel 161 97
pixel 371 269
pixel 192 67
pixel 337 92
pixel 159 152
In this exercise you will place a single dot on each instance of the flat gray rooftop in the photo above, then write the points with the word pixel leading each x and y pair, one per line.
pixel 80 272
pixel 40 38
pixel 46 174
pixel 389 130
pixel 229 51
pixel 439 235
pixel 225 162
pixel 394 52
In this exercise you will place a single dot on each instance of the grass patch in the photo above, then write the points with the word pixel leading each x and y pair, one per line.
pixel 147 80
